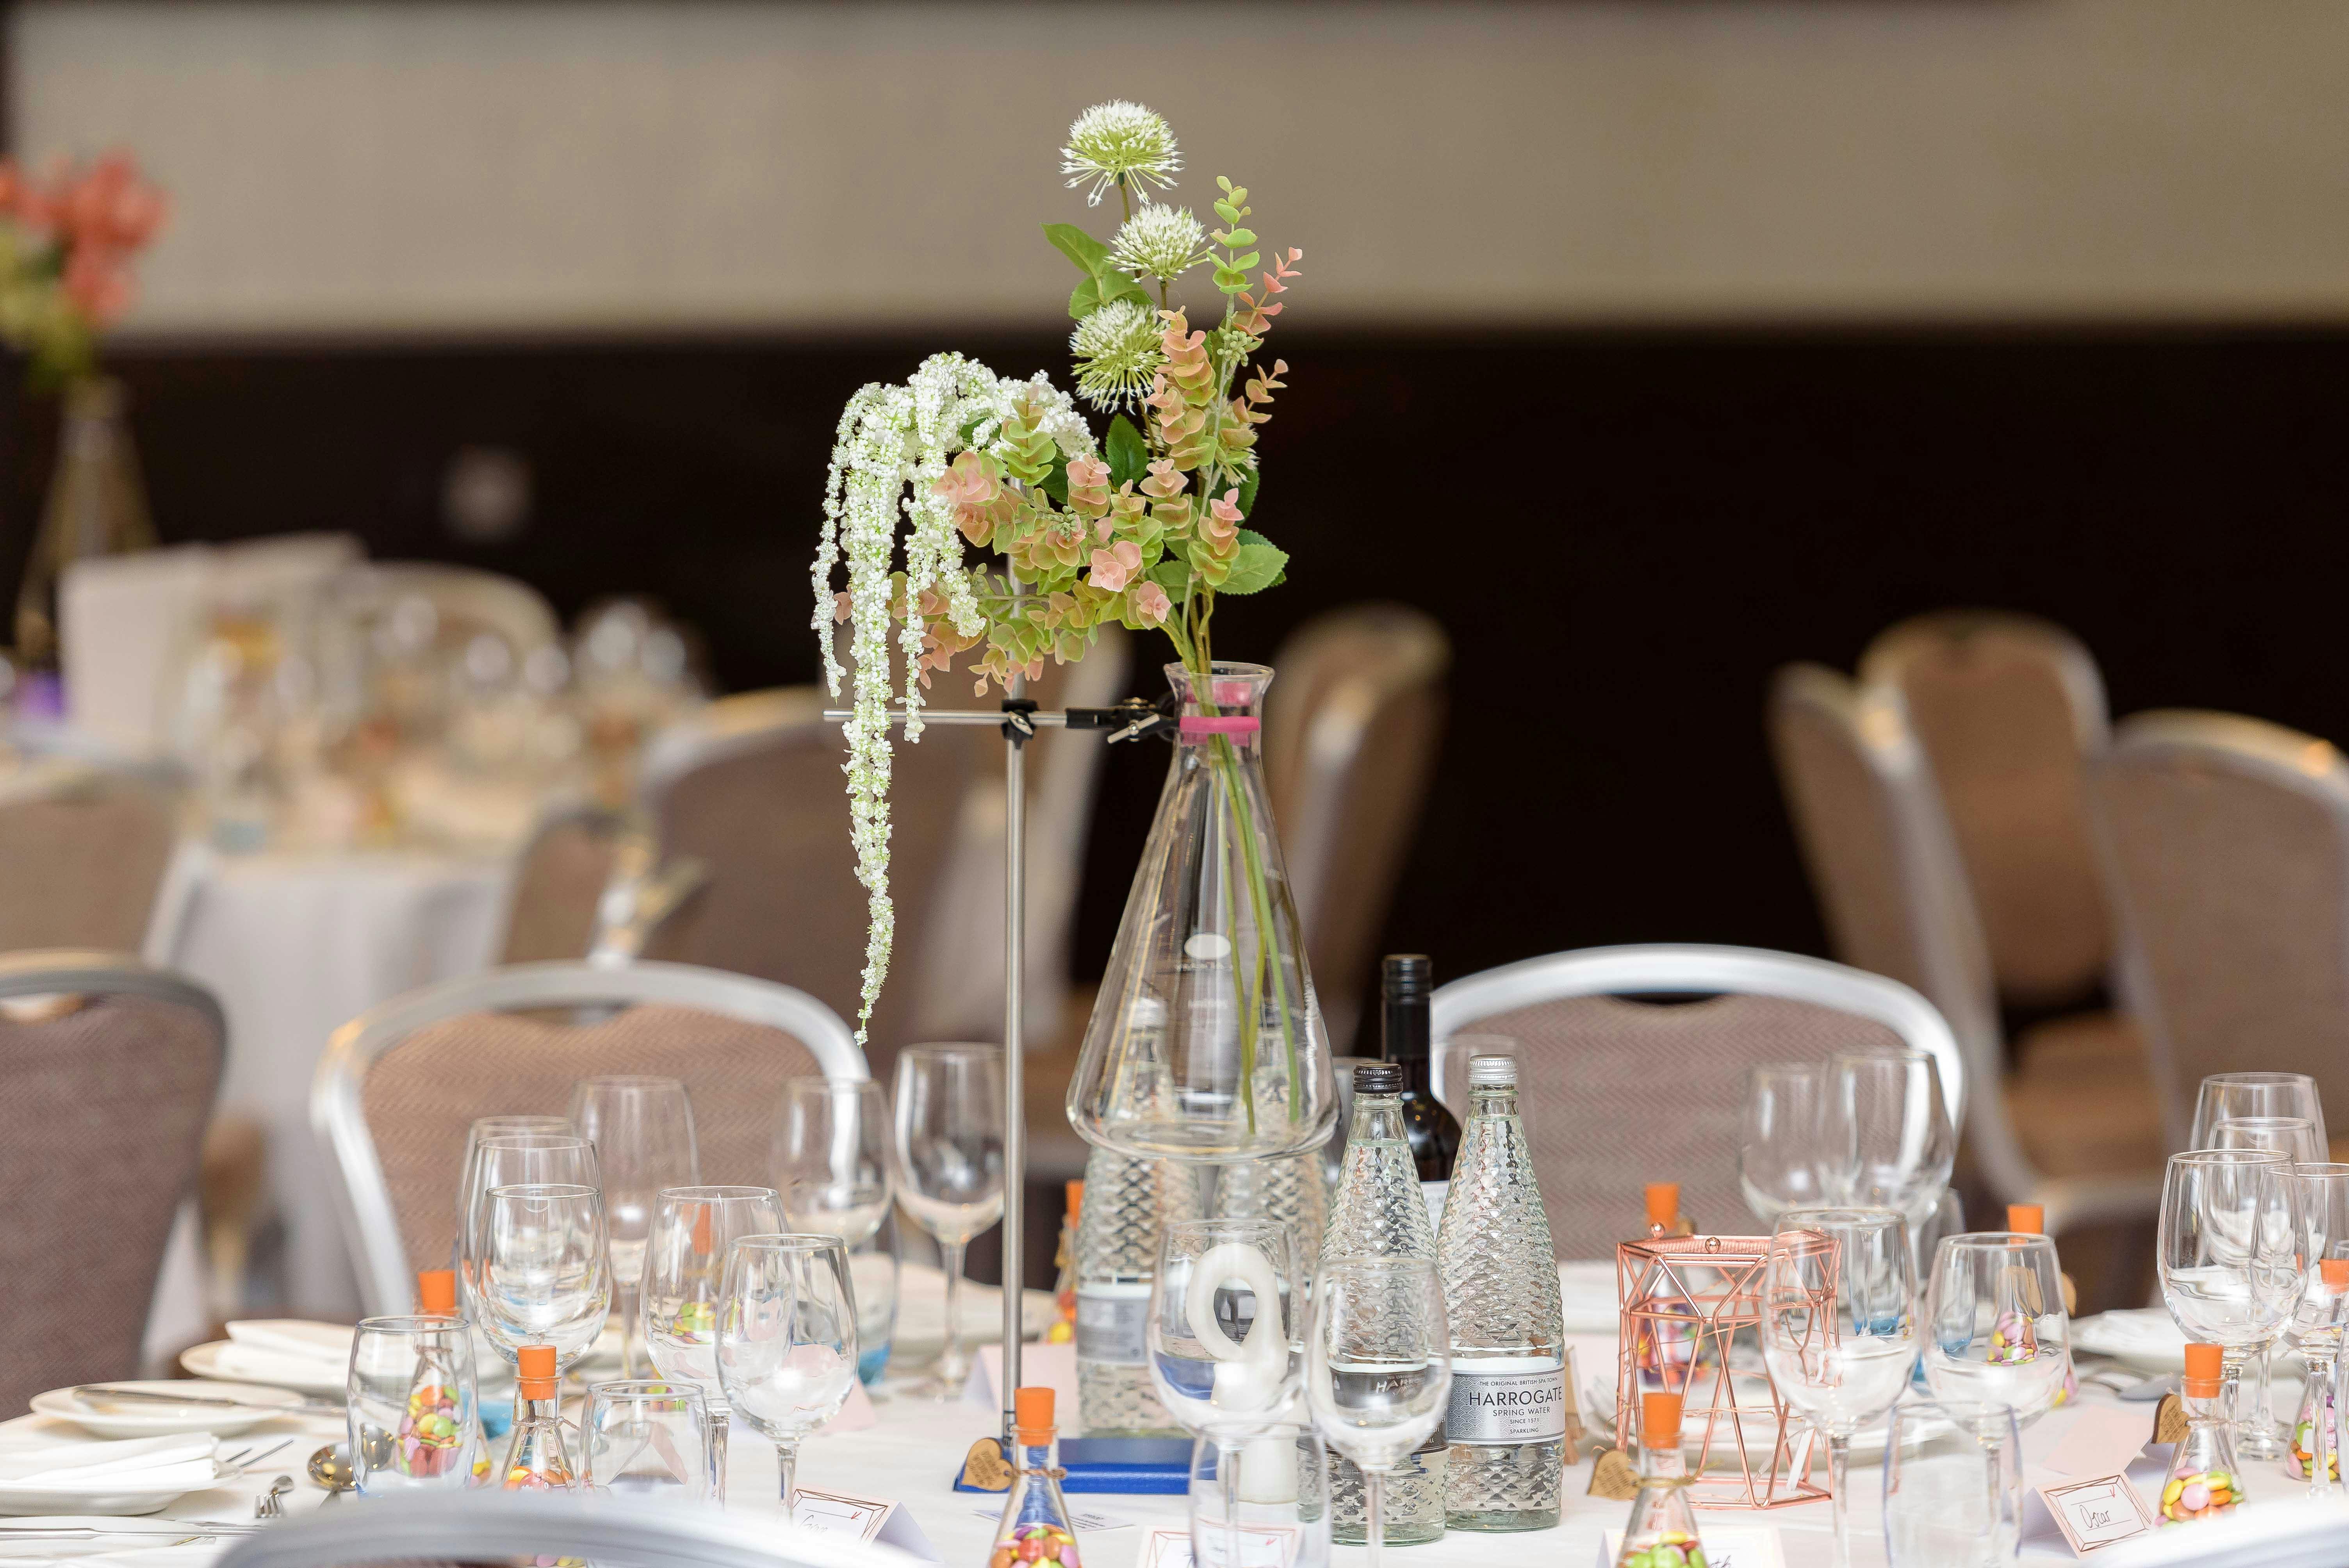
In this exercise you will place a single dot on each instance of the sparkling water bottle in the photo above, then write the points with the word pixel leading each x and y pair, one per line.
pixel 1128 1203
pixel 1380 1212
pixel 1507 1424
pixel 1287 1190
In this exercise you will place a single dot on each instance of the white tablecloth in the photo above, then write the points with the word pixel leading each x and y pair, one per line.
pixel 295 948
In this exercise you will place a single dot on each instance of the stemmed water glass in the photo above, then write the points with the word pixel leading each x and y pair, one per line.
pixel 545 1272
pixel 646 1440
pixel 2320 1197
pixel 786 1339
pixel 2229 1254
pixel 1839 1328
pixel 685 1283
pixel 2260 1110
pixel 514 1159
pixel 2226 1096
pixel 488 1127
pixel 948 1148
pixel 831 1157
pixel 1784 1160
pixel 1996 1326
pixel 642 1129
pixel 1891 1133
pixel 1377 1368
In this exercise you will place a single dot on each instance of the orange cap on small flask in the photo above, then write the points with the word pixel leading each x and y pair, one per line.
pixel 1076 1199
pixel 2335 1271
pixel 2205 1368
pixel 705 1240
pixel 2029 1219
pixel 1031 1415
pixel 1663 1203
pixel 436 1291
pixel 534 1372
pixel 1660 1421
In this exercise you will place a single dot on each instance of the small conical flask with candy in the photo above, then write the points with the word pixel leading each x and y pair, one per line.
pixel 2204 1480
pixel 1662 1532
pixel 536 1459
pixel 1034 1529
pixel 2031 1220
pixel 440 1434
pixel 2316 1326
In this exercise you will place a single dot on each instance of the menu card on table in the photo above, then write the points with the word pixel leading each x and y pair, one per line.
pixel 861 1518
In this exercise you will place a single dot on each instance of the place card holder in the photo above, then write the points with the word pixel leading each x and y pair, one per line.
pixel 878 1519
pixel 2103 1510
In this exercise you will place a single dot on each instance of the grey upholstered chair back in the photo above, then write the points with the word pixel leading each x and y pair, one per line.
pixel 752 788
pixel 103 1102
pixel 2010 710
pixel 1351 725
pixel 564 870
pixel 1621 1092
pixel 83 853
pixel 2227 840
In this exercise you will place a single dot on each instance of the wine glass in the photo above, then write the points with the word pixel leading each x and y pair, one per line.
pixel 1953 1485
pixel 1783 1159
pixel 2320 1197
pixel 642 1129
pixel 1997 1333
pixel 647 1439
pixel 487 1127
pixel 1839 1328
pixel 410 1410
pixel 787 1339
pixel 948 1148
pixel 685 1282
pixel 544 1270
pixel 1891 1132
pixel 2297 1139
pixel 2228 1253
pixel 2225 1096
pixel 1377 1368
pixel 514 1159
pixel 831 1162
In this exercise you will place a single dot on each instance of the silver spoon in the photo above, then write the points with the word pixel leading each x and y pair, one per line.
pixel 273 1506
pixel 330 1469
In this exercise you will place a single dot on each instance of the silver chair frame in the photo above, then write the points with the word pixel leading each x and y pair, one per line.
pixel 500 1525
pixel 371 1226
pixel 57 971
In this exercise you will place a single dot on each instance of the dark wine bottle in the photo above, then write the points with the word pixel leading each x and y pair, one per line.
pixel 1406 984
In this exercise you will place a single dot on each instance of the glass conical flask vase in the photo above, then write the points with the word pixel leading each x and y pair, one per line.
pixel 96 506
pixel 1206 1042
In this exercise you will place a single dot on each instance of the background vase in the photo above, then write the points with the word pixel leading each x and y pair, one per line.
pixel 96 506
pixel 1206 1042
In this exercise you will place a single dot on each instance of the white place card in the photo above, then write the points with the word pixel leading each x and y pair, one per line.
pixel 861 1518
pixel 1052 1366
pixel 1749 1546
pixel 1261 1546
pixel 2096 1513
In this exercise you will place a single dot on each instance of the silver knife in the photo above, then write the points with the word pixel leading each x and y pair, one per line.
pixel 90 1393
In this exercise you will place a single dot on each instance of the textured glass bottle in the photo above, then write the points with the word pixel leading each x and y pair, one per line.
pixel 1507 1424
pixel 95 506
pixel 1661 1532
pixel 1380 1213
pixel 1289 1191
pixel 1128 1204
pixel 1035 1529
pixel 1206 1042
pixel 2204 1480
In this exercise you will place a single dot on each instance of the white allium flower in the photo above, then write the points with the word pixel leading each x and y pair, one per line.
pixel 1118 353
pixel 1159 242
pixel 1119 140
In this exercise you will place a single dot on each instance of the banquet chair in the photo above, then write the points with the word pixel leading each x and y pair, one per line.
pixel 559 882
pixel 1352 724
pixel 2226 842
pixel 750 786
pixel 2077 1128
pixel 108 1073
pixel 1624 1090
pixel 496 1526
pixel 85 852
pixel 2009 709
pixel 400 1085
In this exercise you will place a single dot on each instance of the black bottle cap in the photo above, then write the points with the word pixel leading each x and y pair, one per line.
pixel 1379 1078
pixel 1407 975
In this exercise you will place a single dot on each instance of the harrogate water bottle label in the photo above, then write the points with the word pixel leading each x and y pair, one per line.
pixel 1113 1325
pixel 1505 1406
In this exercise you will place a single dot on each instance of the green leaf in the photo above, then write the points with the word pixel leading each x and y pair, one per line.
pixel 1174 576
pixel 1237 238
pixel 1080 247
pixel 1228 212
pixel 1239 263
pixel 1257 567
pixel 1127 453
pixel 1098 289
pixel 1247 492
pixel 1226 184
pixel 1055 483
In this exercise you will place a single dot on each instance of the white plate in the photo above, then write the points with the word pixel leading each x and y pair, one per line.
pixel 204 1360
pixel 143 1419
pixel 129 1499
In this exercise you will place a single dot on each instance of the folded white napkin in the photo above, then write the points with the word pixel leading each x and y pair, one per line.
pixel 2138 1331
pixel 136 1464
pixel 283 1350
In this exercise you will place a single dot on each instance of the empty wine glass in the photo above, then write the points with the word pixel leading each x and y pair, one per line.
pixel 1839 1328
pixel 1996 1331
pixel 515 1159
pixel 646 1440
pixel 2229 1254
pixel 2320 1198
pixel 642 1129
pixel 685 1282
pixel 1953 1485
pixel 546 1274
pixel 1892 1133
pixel 831 1159
pixel 1785 1159
pixel 410 1410
pixel 2225 1096
pixel 1378 1370
pixel 2295 1138
pixel 786 1339
pixel 487 1127
pixel 948 1148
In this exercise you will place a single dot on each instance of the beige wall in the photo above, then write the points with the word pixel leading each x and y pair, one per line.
pixel 418 167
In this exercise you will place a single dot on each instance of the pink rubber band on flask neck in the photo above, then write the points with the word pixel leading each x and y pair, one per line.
pixel 1194 726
